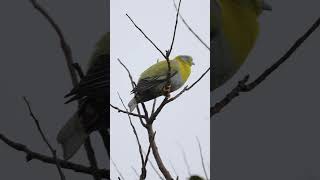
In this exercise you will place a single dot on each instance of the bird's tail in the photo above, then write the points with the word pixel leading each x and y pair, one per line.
pixel 72 136
pixel 132 104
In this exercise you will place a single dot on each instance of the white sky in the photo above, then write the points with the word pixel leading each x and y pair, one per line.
pixel 182 120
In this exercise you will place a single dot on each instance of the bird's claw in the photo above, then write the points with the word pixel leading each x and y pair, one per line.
pixel 166 90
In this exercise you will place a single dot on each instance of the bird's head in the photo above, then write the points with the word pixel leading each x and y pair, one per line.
pixel 195 177
pixel 258 6
pixel 261 5
pixel 185 58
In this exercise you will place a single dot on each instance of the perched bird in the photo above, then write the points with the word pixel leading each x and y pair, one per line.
pixel 195 177
pixel 234 30
pixel 92 95
pixel 153 81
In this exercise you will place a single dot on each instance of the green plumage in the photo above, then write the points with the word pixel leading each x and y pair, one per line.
pixel 91 92
pixel 153 80
pixel 195 177
pixel 234 30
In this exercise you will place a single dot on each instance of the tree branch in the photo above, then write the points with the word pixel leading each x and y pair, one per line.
pixel 64 45
pixel 202 160
pixel 69 60
pixel 189 28
pixel 30 155
pixel 53 151
pixel 243 86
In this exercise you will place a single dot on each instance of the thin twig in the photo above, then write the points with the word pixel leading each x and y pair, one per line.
pixel 127 112
pixel 117 169
pixel 190 29
pixel 30 155
pixel 174 169
pixel 244 86
pixel 53 151
pixel 166 101
pixel 91 156
pixel 149 150
pixel 69 60
pixel 174 31
pixel 154 168
pixel 185 159
pixel 135 171
pixel 133 84
pixel 143 169
pixel 163 54
pixel 64 45
pixel 129 74
pixel 202 160
pixel 154 105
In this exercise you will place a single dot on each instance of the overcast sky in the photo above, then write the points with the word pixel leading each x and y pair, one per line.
pixel 182 120
pixel 273 131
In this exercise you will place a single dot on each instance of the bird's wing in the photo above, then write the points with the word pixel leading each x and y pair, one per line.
pixel 151 82
pixel 94 84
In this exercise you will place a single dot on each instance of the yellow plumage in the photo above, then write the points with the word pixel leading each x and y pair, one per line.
pixel 153 80
pixel 234 28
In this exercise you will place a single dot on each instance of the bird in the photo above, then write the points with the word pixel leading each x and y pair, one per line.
pixel 92 95
pixel 234 30
pixel 195 177
pixel 153 82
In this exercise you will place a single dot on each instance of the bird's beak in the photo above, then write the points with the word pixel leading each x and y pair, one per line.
pixel 265 6
pixel 192 63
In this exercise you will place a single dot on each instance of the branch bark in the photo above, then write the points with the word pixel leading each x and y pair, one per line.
pixel 69 61
pixel 30 155
pixel 53 151
pixel 244 86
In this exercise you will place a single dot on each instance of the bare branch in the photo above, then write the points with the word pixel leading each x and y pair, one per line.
pixel 166 100
pixel 129 74
pixel 155 169
pixel 202 160
pixel 117 169
pixel 190 29
pixel 133 84
pixel 126 112
pixel 53 151
pixel 185 159
pixel 30 155
pixel 91 156
pixel 135 171
pixel 174 169
pixel 243 86
pixel 69 60
pixel 64 45
pixel 164 55
pixel 143 168
pixel 156 154
pixel 174 32
pixel 154 105
pixel 149 150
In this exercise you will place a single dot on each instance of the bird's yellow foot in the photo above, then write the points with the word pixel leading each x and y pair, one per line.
pixel 166 90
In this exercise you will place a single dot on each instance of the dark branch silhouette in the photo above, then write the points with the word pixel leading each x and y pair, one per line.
pixel 69 60
pixel 53 151
pixel 244 86
pixel 30 155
